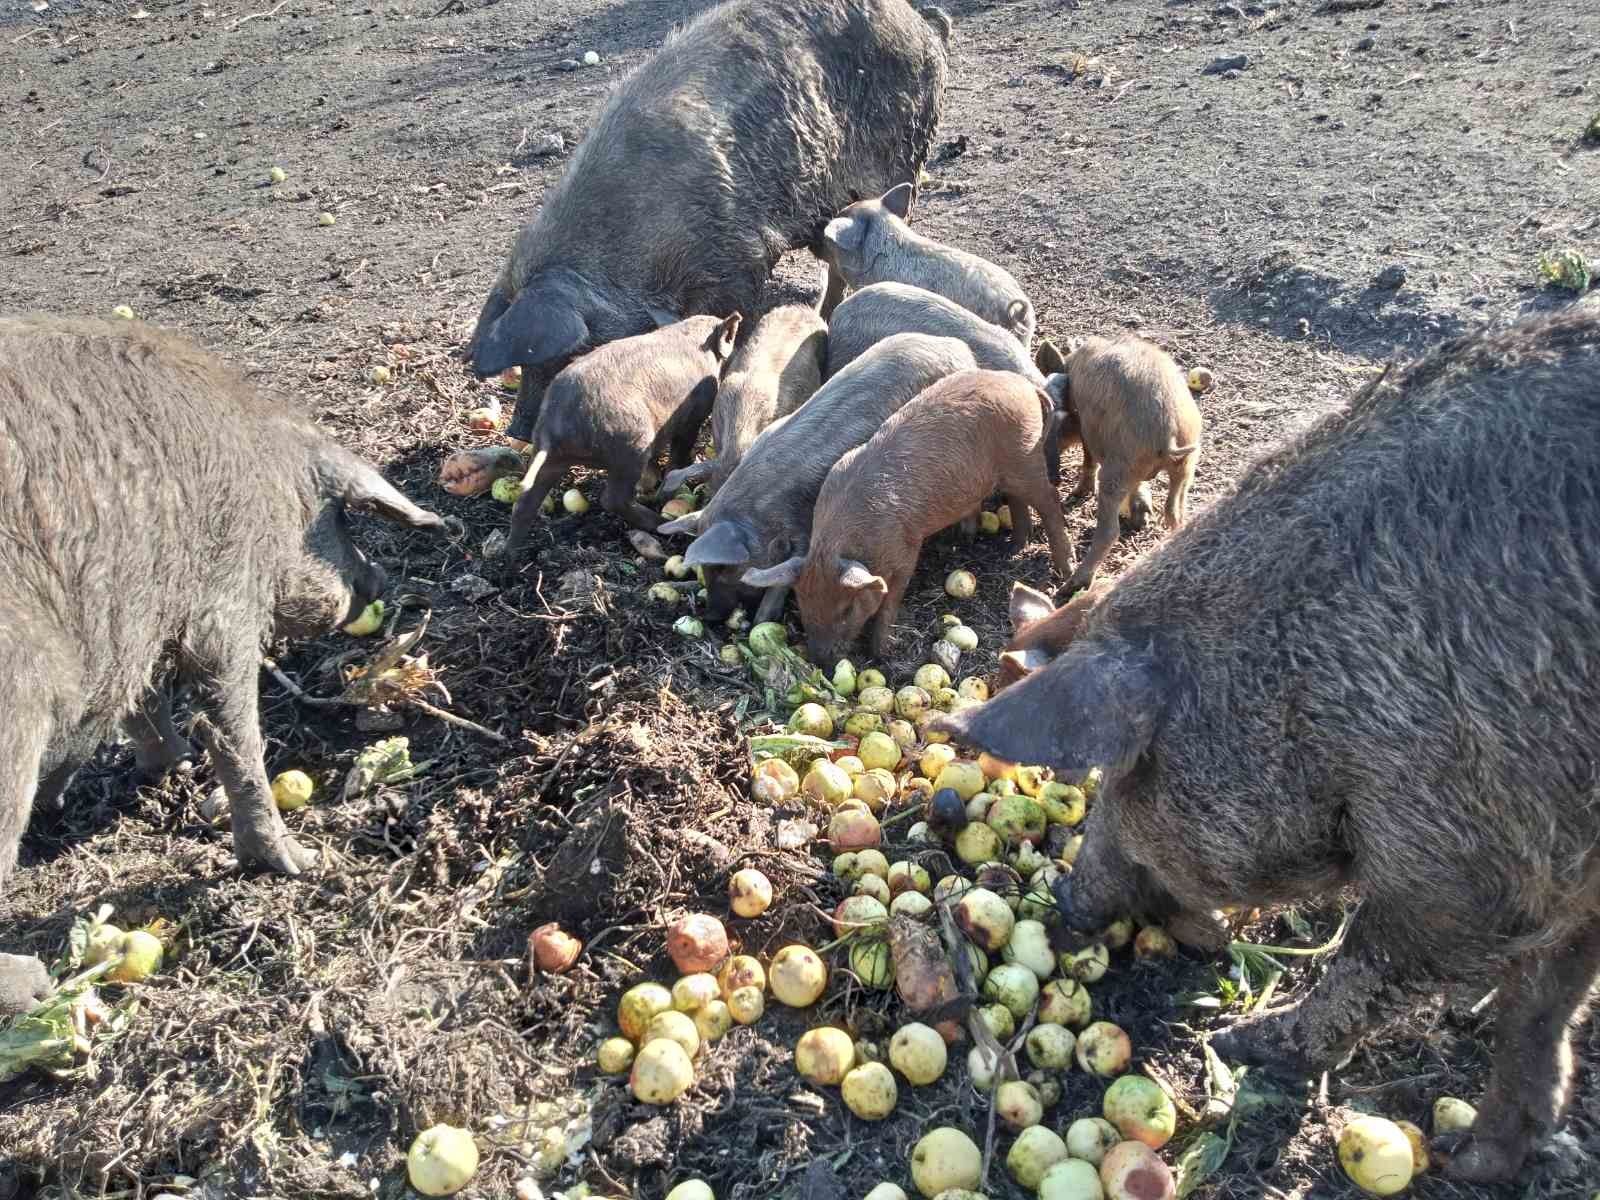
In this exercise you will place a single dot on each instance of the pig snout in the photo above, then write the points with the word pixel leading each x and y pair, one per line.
pixel 1082 920
pixel 368 581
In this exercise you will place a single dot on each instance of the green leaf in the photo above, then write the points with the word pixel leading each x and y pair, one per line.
pixel 1204 1155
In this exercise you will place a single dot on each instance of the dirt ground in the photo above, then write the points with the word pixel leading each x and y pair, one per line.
pixel 1370 180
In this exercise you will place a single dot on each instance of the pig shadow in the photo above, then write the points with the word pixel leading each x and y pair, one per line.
pixel 1372 321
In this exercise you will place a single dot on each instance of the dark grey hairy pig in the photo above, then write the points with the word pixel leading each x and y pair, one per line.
pixel 762 516
pixel 776 370
pixel 1376 665
pixel 738 141
pixel 160 521
pixel 871 242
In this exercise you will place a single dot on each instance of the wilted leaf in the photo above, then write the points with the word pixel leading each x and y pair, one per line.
pixel 1204 1155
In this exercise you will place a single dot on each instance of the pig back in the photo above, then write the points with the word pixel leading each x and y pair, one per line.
pixel 776 483
pixel 737 141
pixel 867 317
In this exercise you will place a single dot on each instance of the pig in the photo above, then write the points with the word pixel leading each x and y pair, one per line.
pixel 738 141
pixel 615 409
pixel 874 313
pixel 1371 667
pixel 1129 405
pixel 160 522
pixel 882 499
pixel 773 372
pixel 1041 632
pixel 762 516
pixel 871 242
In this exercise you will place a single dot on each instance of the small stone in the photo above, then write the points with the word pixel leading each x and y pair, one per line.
pixel 1303 327
pixel 1391 278
pixel 495 544
pixel 1366 43
pixel 568 64
pixel 472 587
pixel 381 719
pixel 547 145
pixel 591 59
pixel 325 218
pixel 1220 66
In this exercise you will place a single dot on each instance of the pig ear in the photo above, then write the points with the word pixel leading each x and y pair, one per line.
pixel 845 233
pixel 725 544
pixel 856 577
pixel 1049 359
pixel 1092 707
pixel 898 200
pixel 357 484
pixel 784 574
pixel 536 328
pixel 726 334
pixel 1028 606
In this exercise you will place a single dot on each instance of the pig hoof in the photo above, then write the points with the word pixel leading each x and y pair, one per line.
pixel 646 546
pixel 470 472
pixel 279 853
pixel 1261 1043
pixel 1473 1159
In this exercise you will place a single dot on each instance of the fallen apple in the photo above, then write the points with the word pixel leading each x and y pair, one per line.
pixel 749 893
pixel 872 963
pixel 985 918
pixel 1133 1171
pixel 741 971
pixel 1047 1084
pixel 1029 945
pixel 827 783
pixel 712 1021
pixel 973 688
pixel 1451 1115
pixel 1017 1103
pixel 812 719
pixel 697 942
pixel 615 1055
pixel 869 1091
pixel 962 637
pixel 139 957
pixel 906 876
pixel 554 949
pixel 875 699
pixel 664 593
pixel 943 1160
pixel 1088 965
pixel 1141 1110
pixel 982 1068
pixel 886 1191
pixel 858 912
pixel 961 584
pixel 1154 942
pixel 689 627
pixel 123 312
pixel 1050 1047
pixel 1014 986
pixel 774 781
pixel 441 1160
pixel 853 829
pixel 999 1020
pixel 1035 1151
pixel 875 786
pixel 277 175
pixel 747 1004
pixel 692 1189
pixel 824 1055
pixel 661 1072
pixel 798 977
pixel 1376 1155
pixel 1089 1138
pixel 930 677
pixel 919 1053
pixel 368 622
pixel 675 1027
pixel 911 702
pixel 1071 1179
pixel 1063 804
pixel 910 904
pixel 1104 1050
pixel 638 1006
pixel 977 843
pixel 292 790
pixel 104 941
pixel 694 992
pixel 965 777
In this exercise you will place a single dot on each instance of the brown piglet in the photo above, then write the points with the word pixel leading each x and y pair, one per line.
pixel 1130 407
pixel 930 465
pixel 1041 632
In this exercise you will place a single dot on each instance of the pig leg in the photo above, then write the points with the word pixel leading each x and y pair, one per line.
pixel 1540 999
pixel 1113 489
pixel 1021 521
pixel 619 500
pixel 772 602
pixel 1179 477
pixel 833 291
pixel 1039 494
pixel 1138 508
pixel 883 624
pixel 526 510
pixel 227 667
pixel 23 980
pixel 1363 988
pixel 157 745
pixel 1088 478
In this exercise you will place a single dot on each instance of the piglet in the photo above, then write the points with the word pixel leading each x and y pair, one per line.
pixel 615 409
pixel 775 371
pixel 1129 406
pixel 870 242
pixel 930 465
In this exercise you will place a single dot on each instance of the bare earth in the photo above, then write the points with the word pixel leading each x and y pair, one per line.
pixel 1369 182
